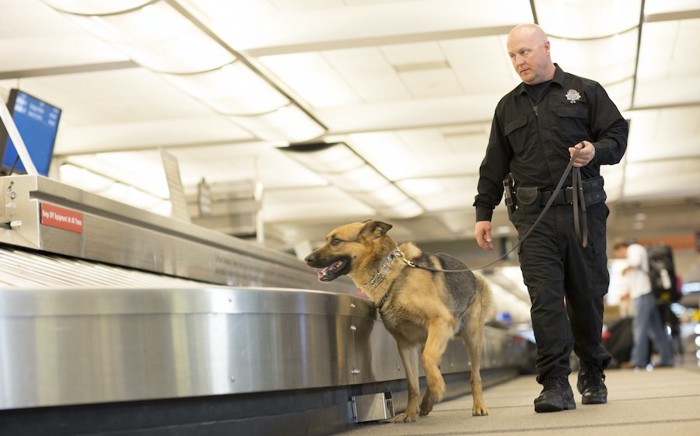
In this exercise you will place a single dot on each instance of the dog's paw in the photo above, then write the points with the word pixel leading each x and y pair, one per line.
pixel 479 410
pixel 426 406
pixel 425 409
pixel 404 417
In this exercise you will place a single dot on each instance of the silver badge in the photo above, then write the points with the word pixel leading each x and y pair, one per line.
pixel 573 96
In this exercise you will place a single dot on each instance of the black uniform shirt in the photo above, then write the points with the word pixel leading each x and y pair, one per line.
pixel 531 138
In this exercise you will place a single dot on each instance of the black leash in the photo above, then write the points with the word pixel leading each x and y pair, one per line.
pixel 582 228
pixel 578 198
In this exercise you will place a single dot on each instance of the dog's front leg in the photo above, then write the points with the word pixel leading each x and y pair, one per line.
pixel 439 333
pixel 409 357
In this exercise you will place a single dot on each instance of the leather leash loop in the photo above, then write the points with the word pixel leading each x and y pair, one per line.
pixel 579 201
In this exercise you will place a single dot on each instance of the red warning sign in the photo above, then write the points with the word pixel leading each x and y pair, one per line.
pixel 61 218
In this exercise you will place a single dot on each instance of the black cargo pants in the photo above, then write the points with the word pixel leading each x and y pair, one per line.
pixel 566 283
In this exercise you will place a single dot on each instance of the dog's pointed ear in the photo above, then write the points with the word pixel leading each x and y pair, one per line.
pixel 374 229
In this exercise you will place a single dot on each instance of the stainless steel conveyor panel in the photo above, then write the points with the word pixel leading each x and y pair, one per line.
pixel 69 346
pixel 26 269
pixel 77 346
pixel 43 214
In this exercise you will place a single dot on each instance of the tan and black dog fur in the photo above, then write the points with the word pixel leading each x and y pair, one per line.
pixel 417 306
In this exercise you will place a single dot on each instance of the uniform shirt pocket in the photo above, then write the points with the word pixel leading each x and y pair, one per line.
pixel 573 124
pixel 517 133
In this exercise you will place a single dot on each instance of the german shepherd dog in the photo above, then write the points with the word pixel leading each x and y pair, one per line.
pixel 417 306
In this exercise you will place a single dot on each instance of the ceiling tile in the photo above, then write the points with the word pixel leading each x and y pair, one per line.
pixel 673 179
pixel 313 78
pixel 368 73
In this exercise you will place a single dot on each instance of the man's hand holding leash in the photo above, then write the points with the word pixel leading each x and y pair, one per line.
pixel 586 152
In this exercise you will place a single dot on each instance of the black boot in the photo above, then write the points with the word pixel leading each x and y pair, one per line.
pixel 591 385
pixel 555 396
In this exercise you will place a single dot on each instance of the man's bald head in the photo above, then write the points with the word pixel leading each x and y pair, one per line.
pixel 528 49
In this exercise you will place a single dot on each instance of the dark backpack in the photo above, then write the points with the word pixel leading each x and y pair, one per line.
pixel 662 273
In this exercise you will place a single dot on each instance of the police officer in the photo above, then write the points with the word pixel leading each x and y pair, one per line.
pixel 536 129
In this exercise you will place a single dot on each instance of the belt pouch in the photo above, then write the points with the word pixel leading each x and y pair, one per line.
pixel 593 191
pixel 528 199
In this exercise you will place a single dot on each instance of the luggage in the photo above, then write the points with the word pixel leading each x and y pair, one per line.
pixel 662 273
pixel 619 341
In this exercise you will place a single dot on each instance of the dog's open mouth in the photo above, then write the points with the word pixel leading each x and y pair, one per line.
pixel 334 270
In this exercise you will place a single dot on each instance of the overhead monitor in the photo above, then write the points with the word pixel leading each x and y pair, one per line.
pixel 37 123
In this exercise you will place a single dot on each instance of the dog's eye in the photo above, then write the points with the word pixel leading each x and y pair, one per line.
pixel 335 241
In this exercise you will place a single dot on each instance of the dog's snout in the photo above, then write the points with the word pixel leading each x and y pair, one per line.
pixel 310 259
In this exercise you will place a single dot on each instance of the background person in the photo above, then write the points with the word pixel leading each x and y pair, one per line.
pixel 535 130
pixel 647 323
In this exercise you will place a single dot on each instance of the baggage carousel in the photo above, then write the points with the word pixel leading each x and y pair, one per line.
pixel 113 319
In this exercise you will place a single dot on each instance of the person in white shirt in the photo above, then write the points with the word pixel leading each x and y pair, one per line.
pixel 647 321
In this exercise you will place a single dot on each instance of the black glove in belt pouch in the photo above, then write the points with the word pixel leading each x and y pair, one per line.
pixel 528 199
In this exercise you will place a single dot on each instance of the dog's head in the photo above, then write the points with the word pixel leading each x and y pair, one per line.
pixel 345 247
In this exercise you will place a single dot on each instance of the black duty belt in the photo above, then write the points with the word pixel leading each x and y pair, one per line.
pixel 564 196
pixel 593 193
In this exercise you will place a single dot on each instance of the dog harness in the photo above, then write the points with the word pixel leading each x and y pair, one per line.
pixel 381 275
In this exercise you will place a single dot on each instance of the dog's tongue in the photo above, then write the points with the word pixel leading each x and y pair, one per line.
pixel 327 273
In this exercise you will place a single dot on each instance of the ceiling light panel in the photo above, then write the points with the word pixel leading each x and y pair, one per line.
pixel 97 7
pixel 305 5
pixel 97 103
pixel 406 114
pixel 416 153
pixel 614 176
pixel 680 179
pixel 657 49
pixel 312 77
pixel 621 93
pixel 448 193
pixel 380 22
pixel 158 37
pixel 615 56
pixel 587 19
pixel 359 180
pixel 385 197
pixel 231 90
pixel 288 123
pixel 144 169
pixel 41 27
pixel 388 154
pixel 362 181
pixel 298 205
pixel 255 161
pixel 665 6
pixel 668 67
pixel 676 128
pixel 150 134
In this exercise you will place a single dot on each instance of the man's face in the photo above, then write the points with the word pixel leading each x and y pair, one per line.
pixel 529 54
